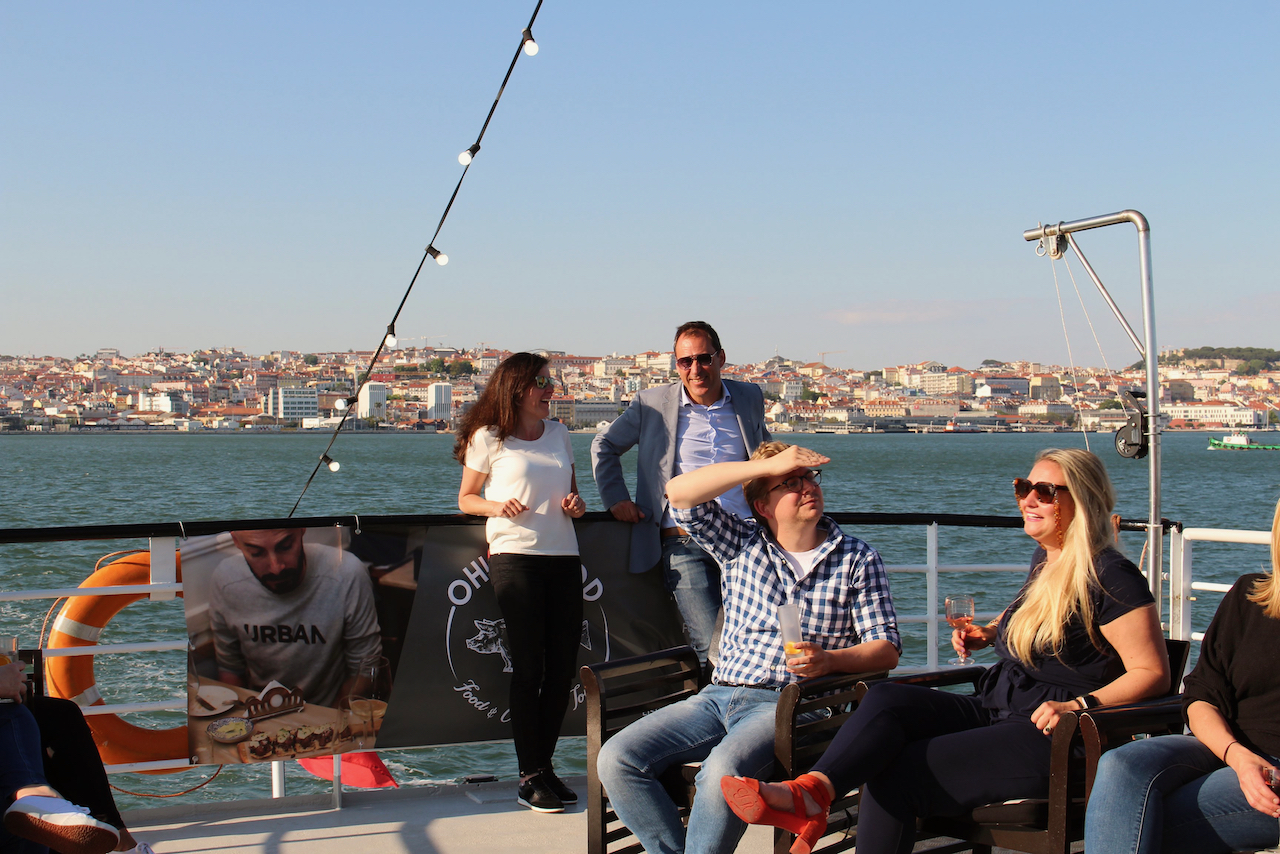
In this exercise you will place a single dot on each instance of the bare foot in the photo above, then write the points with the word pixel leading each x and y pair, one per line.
pixel 778 796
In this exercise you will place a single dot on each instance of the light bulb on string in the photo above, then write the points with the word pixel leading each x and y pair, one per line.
pixel 329 461
pixel 530 46
pixel 340 404
pixel 467 156
pixel 390 340
pixel 440 257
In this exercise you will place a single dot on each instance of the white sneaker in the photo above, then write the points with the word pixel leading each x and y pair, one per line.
pixel 140 848
pixel 60 825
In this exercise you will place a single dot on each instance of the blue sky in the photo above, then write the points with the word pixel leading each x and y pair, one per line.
pixel 844 177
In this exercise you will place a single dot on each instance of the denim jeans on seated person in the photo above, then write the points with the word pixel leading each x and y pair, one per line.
pixel 693 577
pixel 729 729
pixel 1171 795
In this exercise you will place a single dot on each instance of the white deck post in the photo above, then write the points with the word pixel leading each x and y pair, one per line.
pixel 931 593
pixel 164 565
pixel 337 781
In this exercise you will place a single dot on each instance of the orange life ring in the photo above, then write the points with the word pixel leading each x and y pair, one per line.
pixel 80 623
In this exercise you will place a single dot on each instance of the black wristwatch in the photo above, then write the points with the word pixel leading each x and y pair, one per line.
pixel 1088 701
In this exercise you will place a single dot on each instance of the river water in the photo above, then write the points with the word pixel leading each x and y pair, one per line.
pixel 56 480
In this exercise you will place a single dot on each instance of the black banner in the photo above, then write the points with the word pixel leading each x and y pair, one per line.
pixel 441 634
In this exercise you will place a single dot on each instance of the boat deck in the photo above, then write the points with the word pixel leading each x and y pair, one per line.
pixel 423 820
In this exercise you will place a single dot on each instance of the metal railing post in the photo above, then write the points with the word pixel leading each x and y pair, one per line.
pixel 164 566
pixel 931 592
pixel 277 779
pixel 337 781
pixel 1179 586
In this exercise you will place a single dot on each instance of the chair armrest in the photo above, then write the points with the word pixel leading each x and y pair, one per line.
pixel 1111 726
pixel 837 692
pixel 968 675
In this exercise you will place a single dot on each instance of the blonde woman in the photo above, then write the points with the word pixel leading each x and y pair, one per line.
pixel 1207 791
pixel 1082 631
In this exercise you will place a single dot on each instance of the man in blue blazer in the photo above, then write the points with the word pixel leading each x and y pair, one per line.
pixel 680 427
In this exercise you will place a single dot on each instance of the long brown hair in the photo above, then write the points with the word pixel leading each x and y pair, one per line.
pixel 1063 590
pixel 1266 591
pixel 499 403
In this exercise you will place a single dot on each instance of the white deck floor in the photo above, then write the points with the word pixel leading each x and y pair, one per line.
pixel 422 820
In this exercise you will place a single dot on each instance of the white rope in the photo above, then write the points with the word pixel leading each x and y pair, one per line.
pixel 1062 314
pixel 1087 318
pixel 1101 352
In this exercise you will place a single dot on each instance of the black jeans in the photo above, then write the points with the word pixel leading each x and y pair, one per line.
pixel 72 765
pixel 541 601
pixel 918 752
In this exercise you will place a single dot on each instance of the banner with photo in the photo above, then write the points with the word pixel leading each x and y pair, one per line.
pixel 306 642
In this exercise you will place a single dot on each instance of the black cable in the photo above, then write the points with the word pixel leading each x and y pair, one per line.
pixel 360 384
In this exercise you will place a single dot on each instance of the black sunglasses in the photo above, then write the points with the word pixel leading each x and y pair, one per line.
pixel 1045 492
pixel 704 360
pixel 796 482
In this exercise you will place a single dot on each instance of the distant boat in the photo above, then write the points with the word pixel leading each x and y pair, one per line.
pixel 1239 441
pixel 955 427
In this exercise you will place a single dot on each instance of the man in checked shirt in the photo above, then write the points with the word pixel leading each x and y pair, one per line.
pixel 789 552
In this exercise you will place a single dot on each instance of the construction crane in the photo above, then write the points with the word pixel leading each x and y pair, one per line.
pixel 822 355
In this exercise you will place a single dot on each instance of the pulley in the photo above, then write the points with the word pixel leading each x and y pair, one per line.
pixel 1133 440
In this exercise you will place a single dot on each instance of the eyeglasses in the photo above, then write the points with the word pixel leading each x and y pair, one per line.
pixel 796 483
pixel 704 360
pixel 542 382
pixel 1045 492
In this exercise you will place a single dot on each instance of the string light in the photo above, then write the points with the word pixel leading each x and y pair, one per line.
pixel 530 48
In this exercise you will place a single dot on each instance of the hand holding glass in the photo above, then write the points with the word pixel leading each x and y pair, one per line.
pixel 960 616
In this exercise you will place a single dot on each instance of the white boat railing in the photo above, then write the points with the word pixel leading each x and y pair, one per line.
pixel 1181 598
pixel 1182 588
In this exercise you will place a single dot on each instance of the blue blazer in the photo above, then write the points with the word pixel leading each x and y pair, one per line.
pixel 650 421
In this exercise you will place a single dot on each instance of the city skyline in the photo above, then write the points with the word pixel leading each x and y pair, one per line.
pixel 851 179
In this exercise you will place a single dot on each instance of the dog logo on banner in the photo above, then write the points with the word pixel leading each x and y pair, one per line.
pixel 491 640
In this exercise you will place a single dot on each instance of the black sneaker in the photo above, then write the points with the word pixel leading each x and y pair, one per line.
pixel 535 794
pixel 563 792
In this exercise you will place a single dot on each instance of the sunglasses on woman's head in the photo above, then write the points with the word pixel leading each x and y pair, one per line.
pixel 1045 492
pixel 542 382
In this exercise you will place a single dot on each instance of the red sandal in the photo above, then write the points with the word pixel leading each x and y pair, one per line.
pixel 744 798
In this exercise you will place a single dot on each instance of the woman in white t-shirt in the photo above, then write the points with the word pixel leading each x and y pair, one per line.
pixel 524 465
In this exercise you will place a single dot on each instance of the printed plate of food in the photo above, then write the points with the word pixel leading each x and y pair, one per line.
pixel 211 700
pixel 230 730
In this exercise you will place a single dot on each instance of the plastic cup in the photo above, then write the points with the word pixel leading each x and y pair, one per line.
pixel 9 652
pixel 789 625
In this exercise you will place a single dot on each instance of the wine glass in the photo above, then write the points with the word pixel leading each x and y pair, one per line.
pixel 959 616
pixel 359 719
pixel 374 685
pixel 375 678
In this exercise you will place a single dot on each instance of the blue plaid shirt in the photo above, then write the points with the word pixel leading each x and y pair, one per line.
pixel 844 600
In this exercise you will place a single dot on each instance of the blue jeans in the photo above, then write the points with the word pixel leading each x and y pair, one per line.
pixel 20 766
pixel 693 577
pixel 730 730
pixel 1170 794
